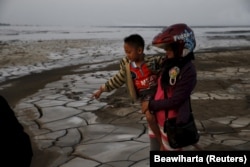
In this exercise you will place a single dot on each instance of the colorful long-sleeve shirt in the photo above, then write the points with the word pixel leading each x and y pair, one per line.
pixel 123 76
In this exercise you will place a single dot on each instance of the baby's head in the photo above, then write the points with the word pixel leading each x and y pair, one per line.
pixel 134 47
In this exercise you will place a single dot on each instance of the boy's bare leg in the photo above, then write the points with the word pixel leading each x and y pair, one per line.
pixel 154 127
pixel 198 147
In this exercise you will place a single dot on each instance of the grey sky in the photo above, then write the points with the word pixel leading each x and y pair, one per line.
pixel 125 12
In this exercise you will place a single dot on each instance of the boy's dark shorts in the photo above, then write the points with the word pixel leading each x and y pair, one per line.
pixel 146 94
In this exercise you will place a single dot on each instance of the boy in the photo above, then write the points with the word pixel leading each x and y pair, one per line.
pixel 139 73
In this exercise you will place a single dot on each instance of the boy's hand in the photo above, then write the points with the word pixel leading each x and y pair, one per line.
pixel 98 93
pixel 144 106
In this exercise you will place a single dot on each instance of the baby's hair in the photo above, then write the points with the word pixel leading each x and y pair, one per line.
pixel 135 40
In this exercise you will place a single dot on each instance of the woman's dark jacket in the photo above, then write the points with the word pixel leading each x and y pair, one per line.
pixel 180 100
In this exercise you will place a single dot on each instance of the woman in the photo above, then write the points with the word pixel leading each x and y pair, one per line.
pixel 176 81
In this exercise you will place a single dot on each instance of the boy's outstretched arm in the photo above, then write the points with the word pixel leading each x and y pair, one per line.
pixel 98 93
pixel 113 83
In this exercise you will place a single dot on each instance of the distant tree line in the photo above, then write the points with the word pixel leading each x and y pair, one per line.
pixel 4 24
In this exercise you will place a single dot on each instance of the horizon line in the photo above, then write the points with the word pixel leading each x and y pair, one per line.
pixel 128 26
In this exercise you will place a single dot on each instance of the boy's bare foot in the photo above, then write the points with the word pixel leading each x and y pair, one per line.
pixel 198 147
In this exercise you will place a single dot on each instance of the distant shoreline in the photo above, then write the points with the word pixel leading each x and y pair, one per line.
pixel 131 26
pixel 223 49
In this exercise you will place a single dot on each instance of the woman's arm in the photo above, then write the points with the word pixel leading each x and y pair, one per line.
pixel 182 91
